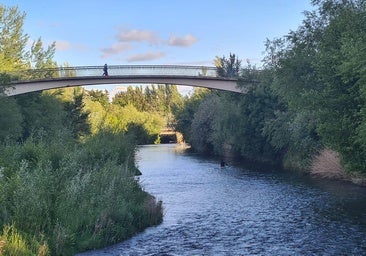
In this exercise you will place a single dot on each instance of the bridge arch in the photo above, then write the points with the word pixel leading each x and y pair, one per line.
pixel 44 79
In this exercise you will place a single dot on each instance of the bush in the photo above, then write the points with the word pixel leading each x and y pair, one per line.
pixel 80 196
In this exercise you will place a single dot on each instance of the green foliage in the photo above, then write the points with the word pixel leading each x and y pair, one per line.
pixel 14 243
pixel 43 115
pixel 228 67
pixel 5 79
pixel 78 117
pixel 202 125
pixel 158 99
pixel 97 114
pixel 11 119
pixel 120 119
pixel 80 196
pixel 318 74
pixel 184 113
pixel 12 39
pixel 41 58
pixel 140 134
pixel 257 107
pixel 14 55
pixel 99 96
pixel 57 191
pixel 234 124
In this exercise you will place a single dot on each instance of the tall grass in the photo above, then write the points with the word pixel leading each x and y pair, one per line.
pixel 76 196
pixel 327 165
pixel 13 243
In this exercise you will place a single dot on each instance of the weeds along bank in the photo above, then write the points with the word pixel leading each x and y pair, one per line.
pixel 59 198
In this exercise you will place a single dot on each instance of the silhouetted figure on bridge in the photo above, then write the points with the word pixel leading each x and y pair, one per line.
pixel 105 70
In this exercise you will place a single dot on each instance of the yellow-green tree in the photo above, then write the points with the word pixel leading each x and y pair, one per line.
pixel 12 39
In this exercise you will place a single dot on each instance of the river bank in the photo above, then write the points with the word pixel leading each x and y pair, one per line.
pixel 327 165
pixel 324 165
pixel 61 198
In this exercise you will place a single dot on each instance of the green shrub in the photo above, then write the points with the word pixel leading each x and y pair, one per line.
pixel 80 196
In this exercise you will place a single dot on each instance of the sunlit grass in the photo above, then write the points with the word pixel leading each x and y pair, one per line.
pixel 12 243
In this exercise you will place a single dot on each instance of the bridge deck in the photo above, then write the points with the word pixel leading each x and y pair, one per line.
pixel 117 70
pixel 43 79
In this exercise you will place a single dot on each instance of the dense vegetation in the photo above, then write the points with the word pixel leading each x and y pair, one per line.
pixel 67 156
pixel 67 162
pixel 310 98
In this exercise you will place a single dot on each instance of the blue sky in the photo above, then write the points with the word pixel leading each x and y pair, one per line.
pixel 133 32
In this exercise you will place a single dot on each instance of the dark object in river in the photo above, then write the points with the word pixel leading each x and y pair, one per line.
pixel 222 163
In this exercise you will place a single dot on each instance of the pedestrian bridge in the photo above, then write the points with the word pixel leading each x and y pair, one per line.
pixel 24 81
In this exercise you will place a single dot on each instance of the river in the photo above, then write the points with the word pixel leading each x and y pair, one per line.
pixel 210 210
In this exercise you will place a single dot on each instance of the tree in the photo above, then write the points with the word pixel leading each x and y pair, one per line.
pixel 228 67
pixel 12 39
pixel 42 59
pixel 44 115
pixel 5 79
pixel 11 119
pixel 99 96
pixel 202 125
pixel 184 113
pixel 133 96
pixel 339 68
pixel 318 76
pixel 97 114
pixel 77 116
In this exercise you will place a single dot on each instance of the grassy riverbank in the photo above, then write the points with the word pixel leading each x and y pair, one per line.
pixel 59 198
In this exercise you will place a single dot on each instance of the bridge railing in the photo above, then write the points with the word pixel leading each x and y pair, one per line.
pixel 115 70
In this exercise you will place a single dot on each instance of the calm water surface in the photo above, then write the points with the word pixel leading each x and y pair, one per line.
pixel 211 210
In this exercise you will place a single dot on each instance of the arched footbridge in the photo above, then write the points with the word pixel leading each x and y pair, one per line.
pixel 43 79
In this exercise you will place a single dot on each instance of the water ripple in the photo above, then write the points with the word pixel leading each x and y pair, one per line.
pixel 232 211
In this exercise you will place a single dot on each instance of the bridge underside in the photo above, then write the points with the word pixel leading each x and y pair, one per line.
pixel 21 87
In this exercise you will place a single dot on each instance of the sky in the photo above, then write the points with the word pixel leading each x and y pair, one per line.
pixel 164 32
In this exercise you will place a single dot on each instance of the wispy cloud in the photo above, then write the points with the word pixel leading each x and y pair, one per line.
pixel 65 45
pixel 184 41
pixel 135 35
pixel 145 56
pixel 62 45
pixel 135 38
pixel 115 49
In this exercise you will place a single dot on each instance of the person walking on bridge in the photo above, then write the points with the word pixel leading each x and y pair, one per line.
pixel 105 70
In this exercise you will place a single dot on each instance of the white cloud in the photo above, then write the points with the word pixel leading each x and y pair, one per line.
pixel 65 45
pixel 184 41
pixel 62 45
pixel 145 56
pixel 116 49
pixel 135 35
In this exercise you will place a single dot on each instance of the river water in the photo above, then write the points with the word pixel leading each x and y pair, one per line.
pixel 210 210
